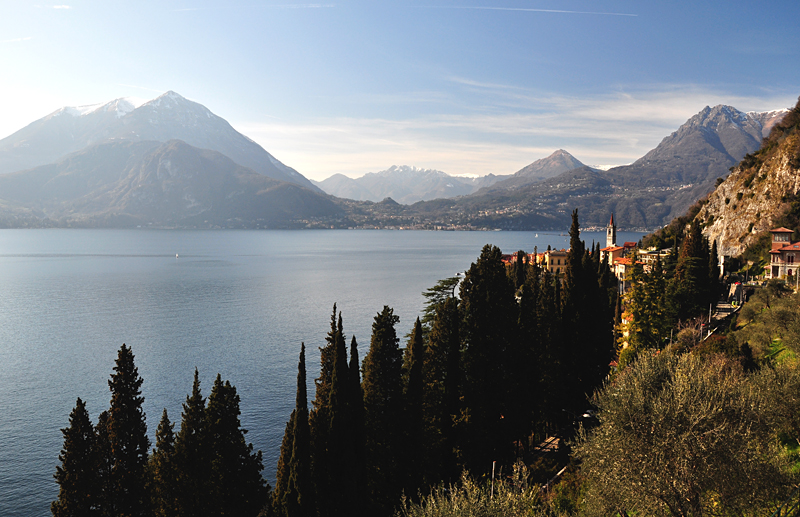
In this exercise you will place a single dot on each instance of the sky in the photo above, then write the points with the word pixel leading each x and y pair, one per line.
pixel 467 87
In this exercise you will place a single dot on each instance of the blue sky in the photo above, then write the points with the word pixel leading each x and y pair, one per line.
pixel 467 87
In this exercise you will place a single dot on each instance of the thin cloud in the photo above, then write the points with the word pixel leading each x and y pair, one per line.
pixel 62 7
pixel 140 87
pixel 525 9
pixel 302 6
pixel 16 40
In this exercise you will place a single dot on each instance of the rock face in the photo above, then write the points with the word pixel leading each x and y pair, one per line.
pixel 749 201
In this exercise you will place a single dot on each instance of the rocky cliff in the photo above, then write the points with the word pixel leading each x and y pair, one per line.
pixel 757 195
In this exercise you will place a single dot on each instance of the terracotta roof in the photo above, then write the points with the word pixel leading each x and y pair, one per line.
pixel 781 230
pixel 629 245
pixel 611 222
pixel 626 261
pixel 612 248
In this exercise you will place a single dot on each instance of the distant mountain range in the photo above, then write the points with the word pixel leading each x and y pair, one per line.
pixel 645 194
pixel 407 185
pixel 167 117
pixel 170 161
pixel 404 184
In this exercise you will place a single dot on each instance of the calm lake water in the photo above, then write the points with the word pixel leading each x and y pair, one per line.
pixel 238 303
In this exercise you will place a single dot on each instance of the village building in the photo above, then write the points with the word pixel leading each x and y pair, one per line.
pixel 784 255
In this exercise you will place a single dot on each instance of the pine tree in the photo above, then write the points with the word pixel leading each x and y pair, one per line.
pixel 162 473
pixel 77 476
pixel 127 436
pixel 236 485
pixel 192 459
pixel 383 417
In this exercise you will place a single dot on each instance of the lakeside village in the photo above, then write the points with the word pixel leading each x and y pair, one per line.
pixel 784 257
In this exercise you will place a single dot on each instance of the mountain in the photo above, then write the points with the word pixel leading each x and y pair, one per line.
pixel 648 193
pixel 761 193
pixel 165 118
pixel 127 183
pixel 558 162
pixel 403 184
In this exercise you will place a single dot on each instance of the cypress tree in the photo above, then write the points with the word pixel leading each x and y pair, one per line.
pixel 127 436
pixel 236 486
pixel 357 462
pixel 441 371
pixel 77 475
pixel 293 494
pixel 300 472
pixel 413 401
pixel 192 459
pixel 320 417
pixel 490 315
pixel 104 460
pixel 383 417
pixel 162 473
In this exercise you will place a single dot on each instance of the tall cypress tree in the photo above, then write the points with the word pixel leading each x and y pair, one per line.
pixel 78 483
pixel 489 319
pixel 383 411
pixel 162 473
pixel 441 373
pixel 293 494
pixel 192 459
pixel 320 416
pixel 236 485
pixel 413 401
pixel 357 462
pixel 127 435
pixel 104 461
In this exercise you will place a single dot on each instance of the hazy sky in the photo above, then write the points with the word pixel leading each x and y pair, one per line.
pixel 467 87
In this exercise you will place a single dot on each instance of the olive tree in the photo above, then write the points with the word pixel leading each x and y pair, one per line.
pixel 681 435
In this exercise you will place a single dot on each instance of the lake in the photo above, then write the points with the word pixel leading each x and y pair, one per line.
pixel 238 303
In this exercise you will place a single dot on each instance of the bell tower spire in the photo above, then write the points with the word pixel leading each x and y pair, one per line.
pixel 611 233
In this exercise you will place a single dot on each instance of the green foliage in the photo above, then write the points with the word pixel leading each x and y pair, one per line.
pixel 512 497
pixel 192 458
pixel 382 387
pixel 127 437
pixel 236 486
pixel 162 471
pixel 77 476
pixel 669 427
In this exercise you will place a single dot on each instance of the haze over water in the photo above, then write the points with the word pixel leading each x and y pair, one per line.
pixel 238 303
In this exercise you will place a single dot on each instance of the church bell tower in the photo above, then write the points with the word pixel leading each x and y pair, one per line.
pixel 611 233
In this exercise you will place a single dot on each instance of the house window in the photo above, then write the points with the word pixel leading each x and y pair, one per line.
pixel 791 258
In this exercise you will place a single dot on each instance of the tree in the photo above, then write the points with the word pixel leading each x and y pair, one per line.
pixel 127 436
pixel 382 387
pixel 161 471
pixel 193 463
pixel 413 401
pixel 679 436
pixel 77 478
pixel 293 494
pixel 236 486
pixel 490 361
pixel 441 373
